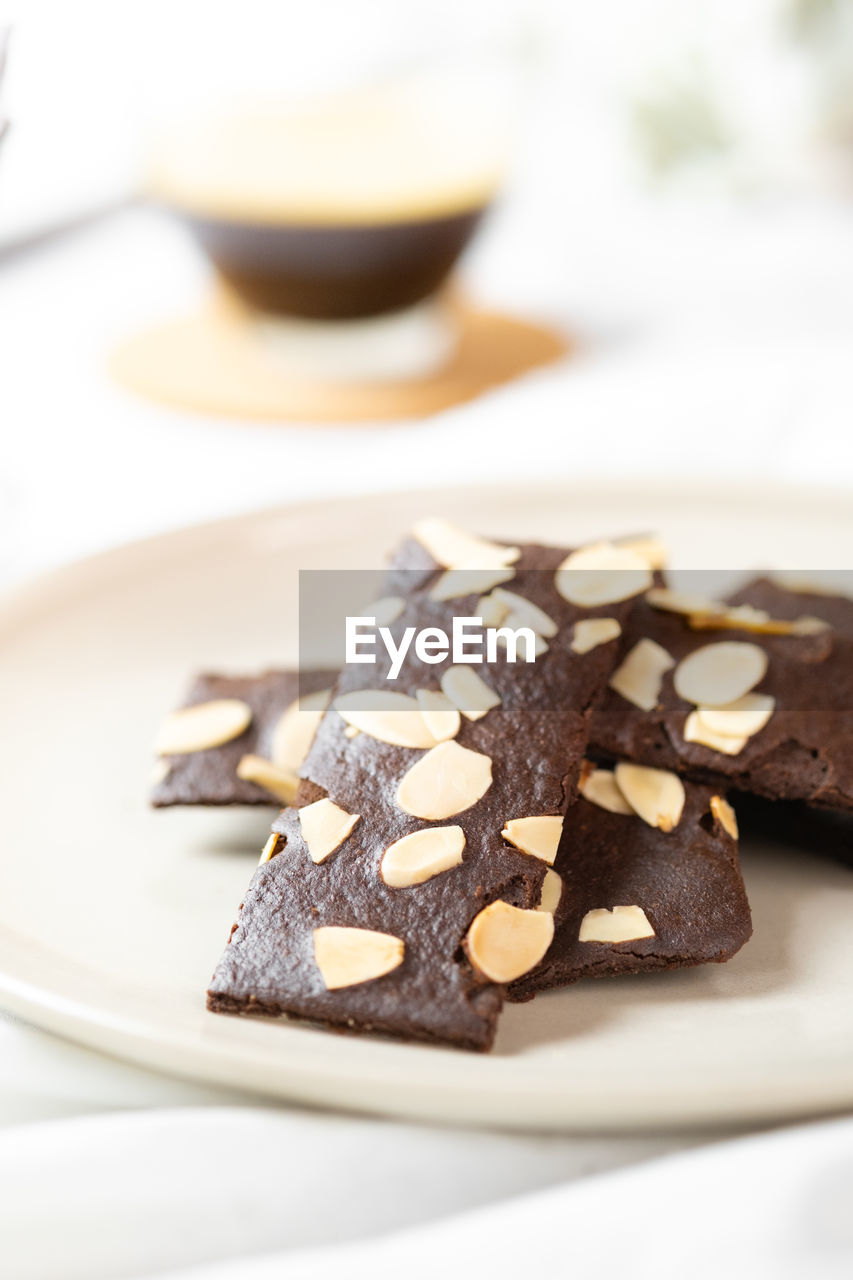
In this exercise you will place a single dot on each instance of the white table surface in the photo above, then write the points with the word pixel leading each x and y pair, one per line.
pixel 713 344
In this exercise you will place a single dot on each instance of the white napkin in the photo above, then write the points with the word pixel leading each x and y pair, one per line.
pixel 252 1194
pixel 135 1194
pixel 779 1207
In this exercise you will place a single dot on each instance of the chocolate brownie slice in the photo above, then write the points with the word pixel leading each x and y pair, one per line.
pixel 248 753
pixel 687 880
pixel 401 896
pixel 735 698
pixel 631 896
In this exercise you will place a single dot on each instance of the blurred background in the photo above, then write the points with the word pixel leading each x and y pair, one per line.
pixel 668 189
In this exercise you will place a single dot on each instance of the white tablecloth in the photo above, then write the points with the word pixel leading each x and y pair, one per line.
pixel 714 344
pixel 252 1194
pixel 711 344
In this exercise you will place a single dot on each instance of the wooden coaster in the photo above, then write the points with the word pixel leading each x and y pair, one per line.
pixel 212 362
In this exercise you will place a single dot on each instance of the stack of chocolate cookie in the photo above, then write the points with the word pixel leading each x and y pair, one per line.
pixel 458 835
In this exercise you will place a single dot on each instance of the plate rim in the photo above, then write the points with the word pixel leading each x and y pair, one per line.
pixel 772 493
pixel 184 1055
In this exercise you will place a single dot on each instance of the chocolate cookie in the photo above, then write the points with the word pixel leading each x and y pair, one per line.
pixel 632 896
pixel 401 897
pixel 236 730
pixel 687 880
pixel 735 698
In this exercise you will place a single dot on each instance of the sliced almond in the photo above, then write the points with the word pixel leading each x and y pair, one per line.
pixel 589 633
pixel 514 622
pixel 717 674
pixel 521 607
pixel 270 849
pixel 422 855
pixel 160 771
pixel 390 717
pixel 696 730
pixel 602 574
pixel 465 582
pixel 741 719
pixel 449 779
pixel 295 730
pixel 552 890
pixel 622 924
pixel 442 718
pixel 316 701
pixel 599 787
pixel 384 611
pixel 206 725
pixel 639 677
pixel 325 826
pixel 813 586
pixel 744 617
pixel 469 692
pixel 348 956
pixel 651 548
pixel 538 836
pixel 455 548
pixel 686 602
pixel 490 610
pixel 281 783
pixel 808 625
pixel 505 942
pixel 725 815
pixel 351 732
pixel 656 795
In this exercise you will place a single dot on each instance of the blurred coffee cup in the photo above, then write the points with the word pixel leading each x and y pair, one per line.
pixel 348 208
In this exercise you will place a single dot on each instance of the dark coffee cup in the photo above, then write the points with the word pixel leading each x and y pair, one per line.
pixel 334 272
pixel 296 232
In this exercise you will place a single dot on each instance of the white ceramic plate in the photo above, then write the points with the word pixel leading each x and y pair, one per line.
pixel 112 916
